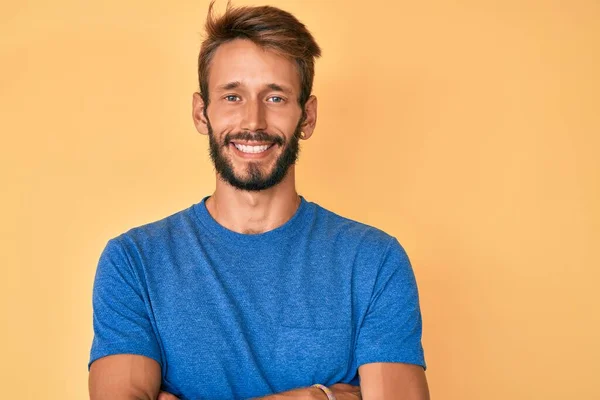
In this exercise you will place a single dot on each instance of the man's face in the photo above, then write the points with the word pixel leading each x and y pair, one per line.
pixel 253 118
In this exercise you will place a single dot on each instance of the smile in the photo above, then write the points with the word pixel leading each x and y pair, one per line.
pixel 252 149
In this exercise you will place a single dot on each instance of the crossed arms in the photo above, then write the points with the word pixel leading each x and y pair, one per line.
pixel 134 377
pixel 388 328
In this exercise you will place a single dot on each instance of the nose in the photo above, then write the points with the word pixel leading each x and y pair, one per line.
pixel 254 118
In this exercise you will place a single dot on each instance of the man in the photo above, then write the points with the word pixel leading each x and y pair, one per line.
pixel 255 291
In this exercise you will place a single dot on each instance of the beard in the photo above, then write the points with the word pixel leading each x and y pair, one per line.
pixel 256 179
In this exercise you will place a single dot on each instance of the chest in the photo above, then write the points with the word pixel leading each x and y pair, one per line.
pixel 241 327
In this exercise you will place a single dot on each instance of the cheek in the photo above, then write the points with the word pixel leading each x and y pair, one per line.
pixel 284 121
pixel 223 120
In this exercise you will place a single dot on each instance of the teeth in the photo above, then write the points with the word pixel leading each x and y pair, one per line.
pixel 251 149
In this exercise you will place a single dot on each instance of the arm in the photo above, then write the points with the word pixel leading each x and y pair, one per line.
pixel 342 391
pixel 125 355
pixel 379 381
pixel 124 377
pixel 389 352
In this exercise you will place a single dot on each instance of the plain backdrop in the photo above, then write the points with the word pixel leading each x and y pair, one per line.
pixel 469 130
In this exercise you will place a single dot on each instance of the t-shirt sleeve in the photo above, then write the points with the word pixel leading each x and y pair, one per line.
pixel 121 319
pixel 392 327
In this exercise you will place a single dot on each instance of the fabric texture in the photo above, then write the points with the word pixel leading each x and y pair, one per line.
pixel 235 316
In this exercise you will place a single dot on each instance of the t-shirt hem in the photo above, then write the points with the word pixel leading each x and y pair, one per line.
pixel 405 360
pixel 116 351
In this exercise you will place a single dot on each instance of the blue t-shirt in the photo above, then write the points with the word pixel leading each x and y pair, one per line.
pixel 236 316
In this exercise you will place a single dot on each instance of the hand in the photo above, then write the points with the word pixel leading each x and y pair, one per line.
pixel 166 396
pixel 342 391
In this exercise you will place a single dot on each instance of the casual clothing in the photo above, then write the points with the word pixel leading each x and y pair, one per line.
pixel 235 316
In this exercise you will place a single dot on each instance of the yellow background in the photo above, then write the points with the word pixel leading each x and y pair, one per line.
pixel 469 130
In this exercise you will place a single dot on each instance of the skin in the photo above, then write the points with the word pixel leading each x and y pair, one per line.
pixel 257 107
pixel 124 377
pixel 264 99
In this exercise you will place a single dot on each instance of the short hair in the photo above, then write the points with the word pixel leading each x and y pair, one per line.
pixel 269 28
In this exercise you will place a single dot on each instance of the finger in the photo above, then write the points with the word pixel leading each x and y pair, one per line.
pixel 166 396
pixel 344 391
pixel 344 387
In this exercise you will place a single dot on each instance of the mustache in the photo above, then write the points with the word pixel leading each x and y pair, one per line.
pixel 258 136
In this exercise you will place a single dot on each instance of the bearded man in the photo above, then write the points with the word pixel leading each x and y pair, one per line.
pixel 256 292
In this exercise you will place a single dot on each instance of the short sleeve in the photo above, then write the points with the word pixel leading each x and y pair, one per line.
pixel 121 320
pixel 392 327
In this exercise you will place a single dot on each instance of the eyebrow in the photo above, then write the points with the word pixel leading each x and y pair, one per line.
pixel 279 88
pixel 230 85
pixel 272 86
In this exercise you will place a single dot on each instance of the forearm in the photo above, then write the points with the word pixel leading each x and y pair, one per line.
pixel 342 391
pixel 308 393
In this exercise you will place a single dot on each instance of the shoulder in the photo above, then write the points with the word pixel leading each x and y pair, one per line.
pixel 151 247
pixel 157 234
pixel 350 231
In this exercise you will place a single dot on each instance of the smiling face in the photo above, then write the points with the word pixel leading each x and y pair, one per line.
pixel 253 118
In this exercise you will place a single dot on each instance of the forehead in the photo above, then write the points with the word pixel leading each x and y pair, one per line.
pixel 254 67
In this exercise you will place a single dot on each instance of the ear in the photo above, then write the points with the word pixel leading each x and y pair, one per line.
pixel 310 110
pixel 198 108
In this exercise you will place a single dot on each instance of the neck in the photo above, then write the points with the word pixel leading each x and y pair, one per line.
pixel 254 212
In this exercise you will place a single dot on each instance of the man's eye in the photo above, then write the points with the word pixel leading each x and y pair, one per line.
pixel 276 99
pixel 231 98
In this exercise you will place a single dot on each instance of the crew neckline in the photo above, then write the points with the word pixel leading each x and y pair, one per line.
pixel 290 227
